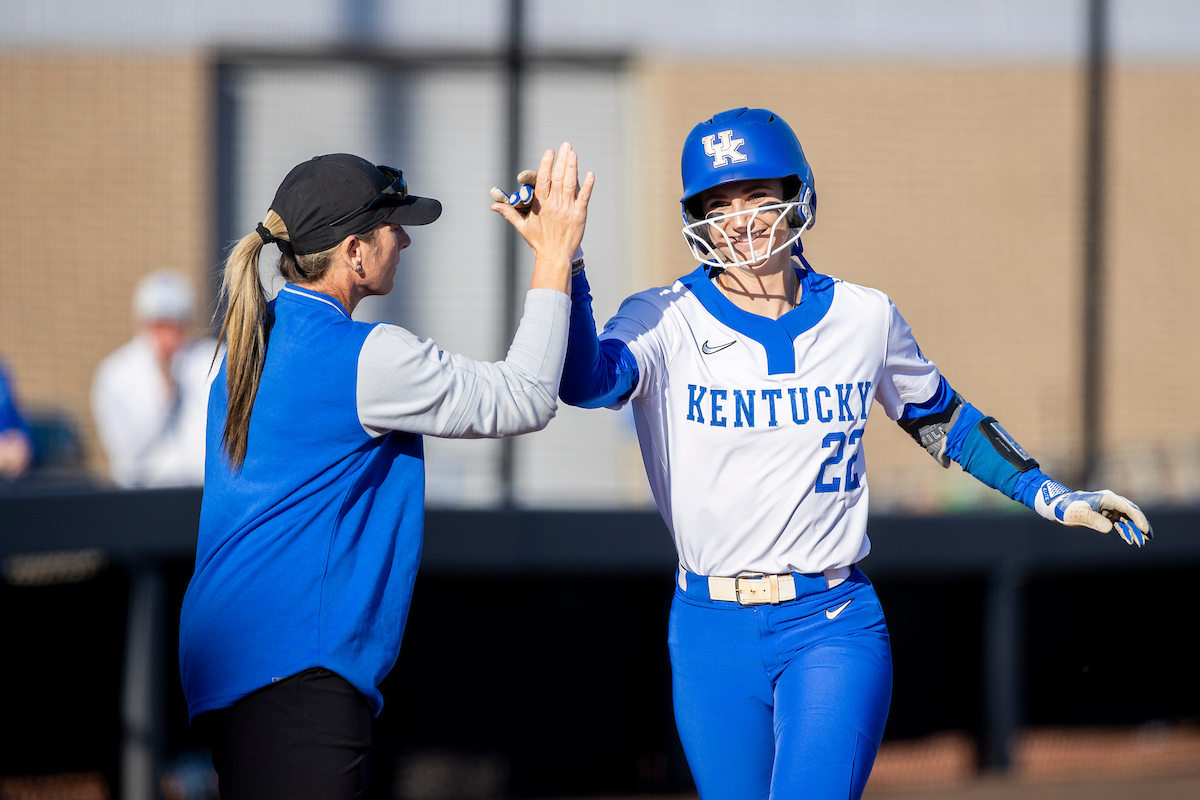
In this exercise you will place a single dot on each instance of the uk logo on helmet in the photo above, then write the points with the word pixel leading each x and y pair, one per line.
pixel 726 152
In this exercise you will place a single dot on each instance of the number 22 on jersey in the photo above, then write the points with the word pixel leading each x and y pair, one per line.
pixel 851 480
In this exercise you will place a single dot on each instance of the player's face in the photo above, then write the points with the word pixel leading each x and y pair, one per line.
pixel 379 262
pixel 742 221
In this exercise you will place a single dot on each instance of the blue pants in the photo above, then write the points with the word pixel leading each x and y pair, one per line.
pixel 781 701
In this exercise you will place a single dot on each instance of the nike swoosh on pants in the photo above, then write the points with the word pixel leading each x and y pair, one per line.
pixel 831 613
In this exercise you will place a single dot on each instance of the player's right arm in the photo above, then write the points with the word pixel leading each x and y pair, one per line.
pixel 596 373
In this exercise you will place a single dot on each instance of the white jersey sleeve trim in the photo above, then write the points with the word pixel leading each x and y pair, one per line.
pixel 408 384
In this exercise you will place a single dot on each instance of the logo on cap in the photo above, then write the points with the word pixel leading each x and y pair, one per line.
pixel 726 152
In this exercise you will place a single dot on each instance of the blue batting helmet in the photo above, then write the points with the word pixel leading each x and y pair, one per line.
pixel 744 144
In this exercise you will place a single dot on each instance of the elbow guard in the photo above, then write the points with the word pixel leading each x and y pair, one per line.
pixel 984 449
pixel 930 431
pixel 1005 445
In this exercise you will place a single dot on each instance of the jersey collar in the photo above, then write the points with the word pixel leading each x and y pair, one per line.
pixel 777 336
pixel 309 297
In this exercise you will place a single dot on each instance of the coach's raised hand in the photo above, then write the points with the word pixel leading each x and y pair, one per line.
pixel 553 227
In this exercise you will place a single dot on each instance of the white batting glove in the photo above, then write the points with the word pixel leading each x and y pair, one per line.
pixel 522 198
pixel 1101 511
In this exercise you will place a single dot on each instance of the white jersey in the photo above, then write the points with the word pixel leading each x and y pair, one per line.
pixel 751 429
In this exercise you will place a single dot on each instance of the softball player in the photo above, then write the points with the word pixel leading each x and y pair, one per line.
pixel 751 381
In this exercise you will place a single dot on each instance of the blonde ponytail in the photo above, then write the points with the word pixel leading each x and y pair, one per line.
pixel 244 330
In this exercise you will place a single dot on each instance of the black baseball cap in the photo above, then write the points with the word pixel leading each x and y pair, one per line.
pixel 328 198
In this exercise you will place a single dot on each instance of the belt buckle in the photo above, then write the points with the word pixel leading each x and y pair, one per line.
pixel 755 594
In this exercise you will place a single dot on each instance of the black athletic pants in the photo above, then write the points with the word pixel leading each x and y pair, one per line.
pixel 299 738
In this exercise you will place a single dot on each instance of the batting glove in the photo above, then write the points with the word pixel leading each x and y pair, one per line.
pixel 1101 511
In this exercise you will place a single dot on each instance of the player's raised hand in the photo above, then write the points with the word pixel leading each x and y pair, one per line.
pixel 554 224
pixel 1101 511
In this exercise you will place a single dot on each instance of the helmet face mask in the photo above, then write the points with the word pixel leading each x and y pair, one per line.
pixel 712 245
pixel 742 145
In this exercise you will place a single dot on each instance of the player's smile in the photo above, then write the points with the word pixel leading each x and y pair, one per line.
pixel 750 240
pixel 745 218
pixel 763 235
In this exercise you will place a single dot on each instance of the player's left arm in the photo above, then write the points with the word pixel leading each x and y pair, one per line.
pixel 951 429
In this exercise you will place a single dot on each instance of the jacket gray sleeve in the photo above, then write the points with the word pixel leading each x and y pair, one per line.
pixel 407 384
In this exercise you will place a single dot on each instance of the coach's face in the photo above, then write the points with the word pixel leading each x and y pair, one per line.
pixel 730 210
pixel 379 262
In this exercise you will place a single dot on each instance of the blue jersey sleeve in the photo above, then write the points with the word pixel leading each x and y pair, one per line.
pixel 968 446
pixel 937 404
pixel 596 373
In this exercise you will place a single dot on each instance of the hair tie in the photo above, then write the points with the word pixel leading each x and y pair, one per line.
pixel 284 245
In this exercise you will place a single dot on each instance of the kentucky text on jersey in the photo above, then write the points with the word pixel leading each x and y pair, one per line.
pixel 701 373
pixel 840 403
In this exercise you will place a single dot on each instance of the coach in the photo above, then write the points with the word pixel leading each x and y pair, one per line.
pixel 311 527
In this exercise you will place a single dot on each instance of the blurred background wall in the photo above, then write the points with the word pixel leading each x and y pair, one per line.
pixel 106 177
pixel 950 145
pixel 947 141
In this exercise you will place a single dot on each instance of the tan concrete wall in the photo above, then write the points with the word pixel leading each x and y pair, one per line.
pixel 1153 299
pixel 958 191
pixel 104 169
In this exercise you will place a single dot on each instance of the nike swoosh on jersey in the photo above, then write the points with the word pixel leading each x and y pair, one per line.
pixel 831 613
pixel 708 351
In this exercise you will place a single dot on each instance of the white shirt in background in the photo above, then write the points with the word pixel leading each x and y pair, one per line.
pixel 149 440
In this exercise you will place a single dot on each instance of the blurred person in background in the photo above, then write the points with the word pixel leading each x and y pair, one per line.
pixel 150 396
pixel 751 379
pixel 16 439
pixel 313 513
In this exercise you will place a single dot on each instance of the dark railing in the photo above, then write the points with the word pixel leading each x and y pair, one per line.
pixel 139 531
